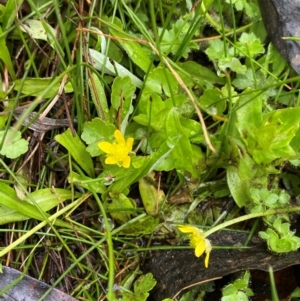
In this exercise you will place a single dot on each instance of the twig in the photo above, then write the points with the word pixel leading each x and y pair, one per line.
pixel 194 284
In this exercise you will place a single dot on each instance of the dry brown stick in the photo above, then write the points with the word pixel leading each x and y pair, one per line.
pixel 58 95
pixel 195 284
pixel 41 126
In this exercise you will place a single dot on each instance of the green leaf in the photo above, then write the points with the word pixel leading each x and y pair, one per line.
pixel 143 226
pixel 13 146
pixel 120 207
pixel 150 103
pixel 77 150
pixel 182 103
pixel 5 54
pixel 251 9
pixel 215 51
pixel 152 198
pixel 13 209
pixel 287 124
pixel 141 287
pixel 36 86
pixel 150 106
pixel 271 199
pixel 283 229
pixel 267 155
pixel 183 148
pixel 284 197
pixel 229 290
pixel 48 198
pixel 95 131
pixel 8 18
pixel 282 240
pixel 93 185
pixel 114 51
pixel 295 143
pixel 133 49
pixel 148 164
pixel 265 199
pixel 121 98
pixel 199 74
pixel 238 290
pixel 193 130
pixel 157 81
pixel 246 80
pixel 283 245
pixel 157 123
pixel 36 30
pixel 233 64
pixel 212 102
pixel 102 62
pixel 9 13
pixel 172 40
pixel 277 61
pixel 249 44
pixel 237 186
pixel 145 283
pixel 99 98
pixel 246 175
pixel 296 293
pixel 243 81
pixel 122 92
pixel 249 115
pixel 270 140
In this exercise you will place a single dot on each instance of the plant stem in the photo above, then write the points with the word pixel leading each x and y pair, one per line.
pixel 250 216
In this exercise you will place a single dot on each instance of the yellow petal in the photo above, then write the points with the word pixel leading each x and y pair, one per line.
pixel 106 147
pixel 129 144
pixel 111 160
pixel 208 250
pixel 119 137
pixel 206 259
pixel 200 248
pixel 126 162
pixel 188 229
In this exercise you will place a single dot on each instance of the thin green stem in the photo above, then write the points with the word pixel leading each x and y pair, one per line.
pixel 250 216
pixel 41 225
pixel 88 251
pixel 273 285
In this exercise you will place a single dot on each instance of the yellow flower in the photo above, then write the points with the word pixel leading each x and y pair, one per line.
pixel 117 152
pixel 197 241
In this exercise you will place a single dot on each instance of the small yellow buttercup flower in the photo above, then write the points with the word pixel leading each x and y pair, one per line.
pixel 118 151
pixel 197 241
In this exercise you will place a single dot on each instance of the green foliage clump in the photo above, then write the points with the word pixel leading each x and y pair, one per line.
pixel 238 290
pixel 210 112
